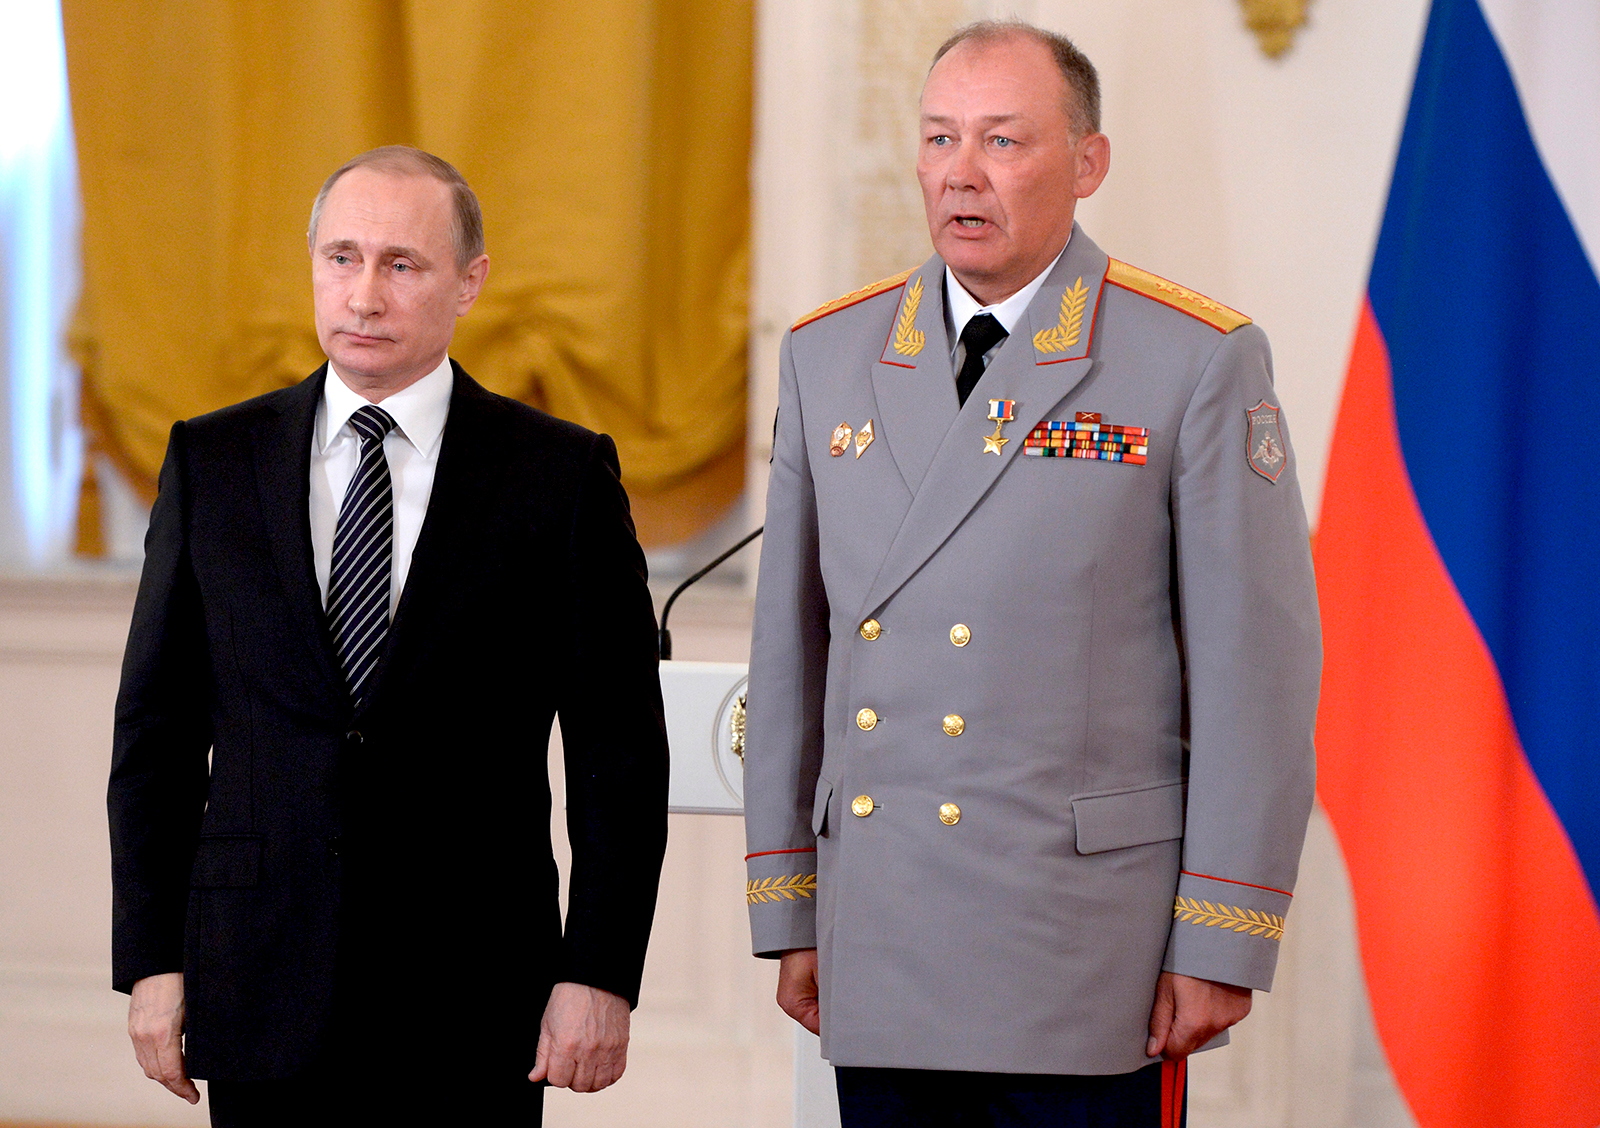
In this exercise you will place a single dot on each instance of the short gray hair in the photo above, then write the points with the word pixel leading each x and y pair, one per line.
pixel 1083 110
pixel 466 226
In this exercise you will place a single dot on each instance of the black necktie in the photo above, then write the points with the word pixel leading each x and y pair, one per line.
pixel 363 548
pixel 982 333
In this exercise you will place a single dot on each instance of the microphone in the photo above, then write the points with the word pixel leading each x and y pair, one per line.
pixel 664 636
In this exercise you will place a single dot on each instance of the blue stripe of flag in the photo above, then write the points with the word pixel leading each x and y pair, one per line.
pixel 1491 311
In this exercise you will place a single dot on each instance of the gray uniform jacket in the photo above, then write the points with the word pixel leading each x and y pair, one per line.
pixel 1026 729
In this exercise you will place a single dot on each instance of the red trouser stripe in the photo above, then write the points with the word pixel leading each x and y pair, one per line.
pixel 1174 1079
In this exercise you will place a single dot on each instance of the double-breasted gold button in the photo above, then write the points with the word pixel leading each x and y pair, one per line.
pixel 866 720
pixel 861 806
pixel 960 634
pixel 871 629
pixel 949 813
pixel 954 725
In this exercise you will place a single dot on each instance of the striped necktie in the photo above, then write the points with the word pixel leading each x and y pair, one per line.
pixel 363 540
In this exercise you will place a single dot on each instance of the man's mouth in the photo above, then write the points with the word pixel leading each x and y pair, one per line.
pixel 970 221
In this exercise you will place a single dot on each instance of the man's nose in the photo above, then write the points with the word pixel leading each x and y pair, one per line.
pixel 964 169
pixel 366 296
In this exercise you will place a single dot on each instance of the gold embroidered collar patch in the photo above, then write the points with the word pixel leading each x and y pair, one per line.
pixel 908 339
pixel 1069 327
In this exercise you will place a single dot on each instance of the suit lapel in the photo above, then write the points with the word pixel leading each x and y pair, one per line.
pixel 282 456
pixel 912 382
pixel 1040 363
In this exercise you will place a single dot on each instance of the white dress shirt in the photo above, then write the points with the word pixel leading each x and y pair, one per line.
pixel 412 450
pixel 961 307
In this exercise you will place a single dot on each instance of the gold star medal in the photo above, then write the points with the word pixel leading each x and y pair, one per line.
pixel 1001 412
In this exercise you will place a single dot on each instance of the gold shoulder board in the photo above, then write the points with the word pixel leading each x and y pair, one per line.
pixel 853 297
pixel 1214 314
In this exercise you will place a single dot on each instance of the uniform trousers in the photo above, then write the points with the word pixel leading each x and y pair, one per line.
pixel 1152 1097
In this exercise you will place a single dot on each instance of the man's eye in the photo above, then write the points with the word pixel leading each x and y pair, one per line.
pixel 941 140
pixel 402 267
pixel 1004 142
pixel 341 259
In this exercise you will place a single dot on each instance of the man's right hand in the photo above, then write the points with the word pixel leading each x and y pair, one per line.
pixel 797 987
pixel 155 1023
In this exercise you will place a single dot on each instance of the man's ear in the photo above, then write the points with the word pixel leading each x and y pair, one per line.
pixel 1091 162
pixel 472 284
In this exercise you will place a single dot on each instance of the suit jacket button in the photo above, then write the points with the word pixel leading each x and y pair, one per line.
pixel 861 806
pixel 949 814
pixel 960 634
pixel 871 629
pixel 333 846
pixel 866 720
pixel 954 725
pixel 354 738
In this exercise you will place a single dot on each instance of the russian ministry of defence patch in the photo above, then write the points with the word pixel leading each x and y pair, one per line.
pixel 1263 446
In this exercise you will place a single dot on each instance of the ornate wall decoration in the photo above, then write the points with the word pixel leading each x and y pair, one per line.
pixel 895 41
pixel 1275 22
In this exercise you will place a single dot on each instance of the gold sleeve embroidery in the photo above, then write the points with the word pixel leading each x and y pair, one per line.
pixel 776 888
pixel 1230 917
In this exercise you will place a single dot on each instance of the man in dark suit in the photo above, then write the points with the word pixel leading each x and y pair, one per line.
pixel 365 599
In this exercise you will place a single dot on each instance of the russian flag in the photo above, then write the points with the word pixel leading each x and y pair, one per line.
pixel 1458 562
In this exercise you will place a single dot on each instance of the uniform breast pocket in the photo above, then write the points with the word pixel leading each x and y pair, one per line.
pixel 1128 817
pixel 226 861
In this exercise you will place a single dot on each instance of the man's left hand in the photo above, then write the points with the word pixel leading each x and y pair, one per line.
pixel 1190 1012
pixel 583 1039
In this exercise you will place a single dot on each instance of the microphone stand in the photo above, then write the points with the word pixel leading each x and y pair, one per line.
pixel 664 636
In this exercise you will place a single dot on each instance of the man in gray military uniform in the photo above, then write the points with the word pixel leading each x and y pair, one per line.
pixel 1036 646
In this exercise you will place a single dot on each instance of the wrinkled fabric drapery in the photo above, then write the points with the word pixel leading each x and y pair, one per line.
pixel 608 141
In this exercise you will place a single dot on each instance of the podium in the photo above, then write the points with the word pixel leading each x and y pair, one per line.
pixel 705 704
pixel 705 736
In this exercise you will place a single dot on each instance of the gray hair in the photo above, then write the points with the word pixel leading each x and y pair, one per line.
pixel 466 226
pixel 1083 108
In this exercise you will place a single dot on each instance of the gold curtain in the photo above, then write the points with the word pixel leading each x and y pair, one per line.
pixel 608 141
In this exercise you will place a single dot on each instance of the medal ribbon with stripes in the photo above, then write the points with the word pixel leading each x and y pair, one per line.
pixel 363 548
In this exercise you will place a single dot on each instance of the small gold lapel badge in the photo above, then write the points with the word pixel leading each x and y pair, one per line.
pixel 841 439
pixel 1001 412
pixel 864 438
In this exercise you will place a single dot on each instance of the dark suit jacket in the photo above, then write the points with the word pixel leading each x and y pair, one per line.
pixel 307 866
